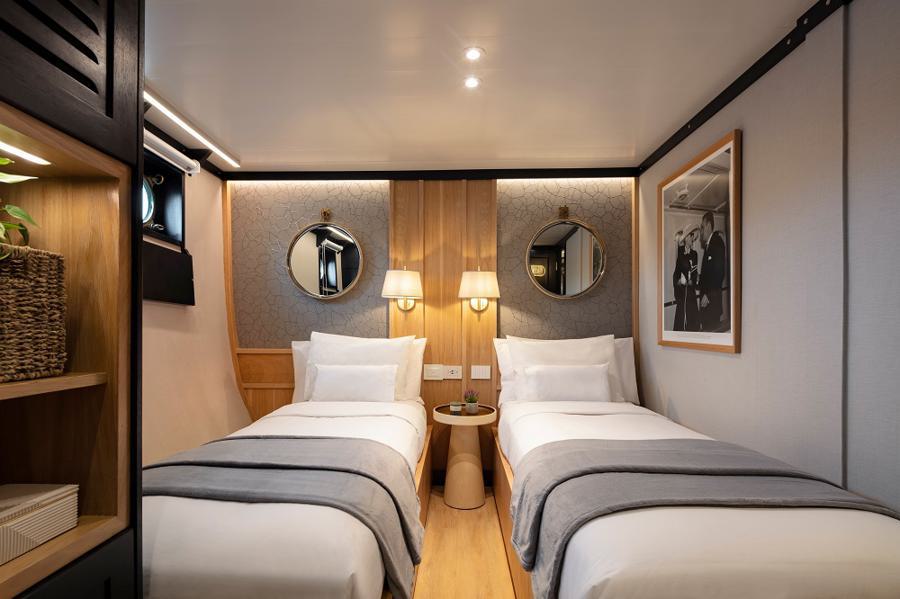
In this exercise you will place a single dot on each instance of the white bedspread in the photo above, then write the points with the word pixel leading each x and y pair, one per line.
pixel 195 548
pixel 687 552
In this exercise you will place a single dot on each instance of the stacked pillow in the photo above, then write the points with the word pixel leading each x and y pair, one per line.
pixel 341 368
pixel 591 369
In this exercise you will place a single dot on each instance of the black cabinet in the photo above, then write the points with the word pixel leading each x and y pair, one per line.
pixel 106 573
pixel 76 65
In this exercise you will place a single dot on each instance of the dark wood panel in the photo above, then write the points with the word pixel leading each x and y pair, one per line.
pixel 76 65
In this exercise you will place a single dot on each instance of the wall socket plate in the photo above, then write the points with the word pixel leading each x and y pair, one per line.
pixel 434 372
pixel 481 372
pixel 453 372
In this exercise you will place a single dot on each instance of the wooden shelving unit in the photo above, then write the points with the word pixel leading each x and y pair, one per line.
pixel 65 382
pixel 74 428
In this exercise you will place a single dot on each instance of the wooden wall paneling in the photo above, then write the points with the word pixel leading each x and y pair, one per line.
pixel 480 328
pixel 407 229
pixel 267 379
pixel 81 220
pixel 444 236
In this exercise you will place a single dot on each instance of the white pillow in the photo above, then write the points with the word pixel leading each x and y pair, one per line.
pixel 507 371
pixel 562 352
pixel 338 382
pixel 565 383
pixel 413 386
pixel 351 351
pixel 627 373
pixel 299 355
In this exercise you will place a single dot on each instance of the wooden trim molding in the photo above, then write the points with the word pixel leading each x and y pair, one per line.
pixel 503 480
pixel 636 280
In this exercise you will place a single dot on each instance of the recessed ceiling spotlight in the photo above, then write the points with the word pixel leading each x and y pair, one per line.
pixel 474 53
pixel 472 82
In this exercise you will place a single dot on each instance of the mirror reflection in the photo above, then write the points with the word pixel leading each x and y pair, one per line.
pixel 325 260
pixel 566 259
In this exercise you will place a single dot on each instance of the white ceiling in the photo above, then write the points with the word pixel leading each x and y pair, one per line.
pixel 377 84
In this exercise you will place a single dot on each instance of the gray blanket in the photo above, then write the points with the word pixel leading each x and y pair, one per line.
pixel 364 478
pixel 561 486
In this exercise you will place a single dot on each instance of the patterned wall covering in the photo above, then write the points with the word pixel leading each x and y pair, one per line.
pixel 523 206
pixel 266 215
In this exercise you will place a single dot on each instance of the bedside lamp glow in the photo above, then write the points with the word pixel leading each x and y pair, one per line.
pixel 479 286
pixel 405 286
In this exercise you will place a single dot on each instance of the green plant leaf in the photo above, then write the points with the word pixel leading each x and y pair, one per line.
pixel 17 212
pixel 2 230
pixel 22 229
pixel 5 161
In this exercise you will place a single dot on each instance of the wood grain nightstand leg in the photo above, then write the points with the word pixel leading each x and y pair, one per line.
pixel 464 487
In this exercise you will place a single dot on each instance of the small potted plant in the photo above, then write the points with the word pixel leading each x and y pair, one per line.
pixel 471 397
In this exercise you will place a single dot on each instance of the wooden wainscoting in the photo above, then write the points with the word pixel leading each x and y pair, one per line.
pixel 442 228
pixel 266 379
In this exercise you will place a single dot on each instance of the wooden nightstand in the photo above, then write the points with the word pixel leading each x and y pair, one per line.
pixel 464 485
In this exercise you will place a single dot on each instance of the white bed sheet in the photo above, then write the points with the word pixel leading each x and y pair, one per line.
pixel 697 552
pixel 195 548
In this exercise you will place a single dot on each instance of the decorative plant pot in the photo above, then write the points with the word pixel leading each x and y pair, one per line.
pixel 471 407
pixel 456 408
pixel 32 314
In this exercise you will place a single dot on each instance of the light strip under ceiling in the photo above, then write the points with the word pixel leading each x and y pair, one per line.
pixel 5 147
pixel 190 130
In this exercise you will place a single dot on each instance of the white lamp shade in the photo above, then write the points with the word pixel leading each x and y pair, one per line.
pixel 402 284
pixel 479 283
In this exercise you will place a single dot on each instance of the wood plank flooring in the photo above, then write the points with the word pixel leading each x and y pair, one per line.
pixel 463 555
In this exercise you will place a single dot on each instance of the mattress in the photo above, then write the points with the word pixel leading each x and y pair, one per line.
pixel 204 548
pixel 682 552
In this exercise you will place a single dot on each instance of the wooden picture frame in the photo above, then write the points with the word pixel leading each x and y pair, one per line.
pixel 699 251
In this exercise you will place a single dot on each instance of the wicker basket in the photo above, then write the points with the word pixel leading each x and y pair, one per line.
pixel 32 314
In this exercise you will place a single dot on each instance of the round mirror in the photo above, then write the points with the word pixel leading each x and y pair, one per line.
pixel 325 260
pixel 566 258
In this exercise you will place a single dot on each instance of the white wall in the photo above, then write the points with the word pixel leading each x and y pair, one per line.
pixel 873 244
pixel 783 393
pixel 189 391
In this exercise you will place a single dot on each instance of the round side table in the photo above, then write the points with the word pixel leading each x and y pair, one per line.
pixel 464 486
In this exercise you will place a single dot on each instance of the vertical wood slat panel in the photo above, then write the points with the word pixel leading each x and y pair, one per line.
pixel 442 228
pixel 480 328
pixel 407 229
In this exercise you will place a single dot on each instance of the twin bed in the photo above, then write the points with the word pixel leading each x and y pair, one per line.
pixel 218 523
pixel 747 547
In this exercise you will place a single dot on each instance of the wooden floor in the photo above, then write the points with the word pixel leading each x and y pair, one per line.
pixel 463 553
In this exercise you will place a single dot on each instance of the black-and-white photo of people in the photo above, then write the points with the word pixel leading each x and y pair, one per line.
pixel 712 274
pixel 684 282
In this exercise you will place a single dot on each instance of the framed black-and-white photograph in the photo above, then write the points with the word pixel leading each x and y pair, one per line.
pixel 699 243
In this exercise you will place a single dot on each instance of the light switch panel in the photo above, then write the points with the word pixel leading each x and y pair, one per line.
pixel 453 372
pixel 481 372
pixel 434 372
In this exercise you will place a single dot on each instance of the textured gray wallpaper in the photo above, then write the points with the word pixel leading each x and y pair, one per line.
pixel 523 206
pixel 269 309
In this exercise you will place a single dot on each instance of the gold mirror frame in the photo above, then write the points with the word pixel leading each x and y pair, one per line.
pixel 345 290
pixel 563 221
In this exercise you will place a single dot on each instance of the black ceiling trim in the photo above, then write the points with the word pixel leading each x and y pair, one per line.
pixel 189 152
pixel 806 23
pixel 471 174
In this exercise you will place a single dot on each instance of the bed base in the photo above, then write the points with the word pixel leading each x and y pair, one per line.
pixel 423 489
pixel 503 479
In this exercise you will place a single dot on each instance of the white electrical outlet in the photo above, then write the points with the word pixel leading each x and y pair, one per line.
pixel 453 372
pixel 434 372
pixel 481 372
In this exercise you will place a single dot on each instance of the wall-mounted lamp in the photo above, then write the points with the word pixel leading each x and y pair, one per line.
pixel 405 286
pixel 479 286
